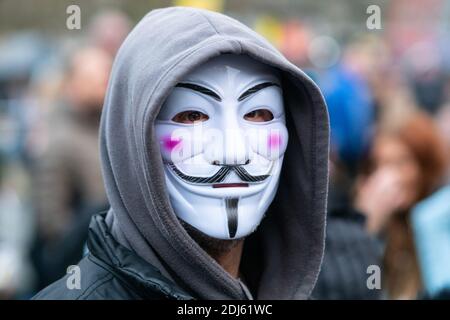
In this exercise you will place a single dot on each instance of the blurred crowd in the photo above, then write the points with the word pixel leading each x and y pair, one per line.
pixel 388 94
pixel 50 182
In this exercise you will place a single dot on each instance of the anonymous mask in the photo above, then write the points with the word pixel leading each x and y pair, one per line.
pixel 222 137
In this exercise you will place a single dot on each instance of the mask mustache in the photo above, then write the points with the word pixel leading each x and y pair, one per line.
pixel 220 175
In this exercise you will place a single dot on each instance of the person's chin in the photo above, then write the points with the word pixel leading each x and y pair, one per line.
pixel 213 246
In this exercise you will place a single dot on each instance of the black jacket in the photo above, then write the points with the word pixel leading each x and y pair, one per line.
pixel 111 271
pixel 349 251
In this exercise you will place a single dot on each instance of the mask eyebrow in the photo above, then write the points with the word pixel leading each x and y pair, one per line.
pixel 255 89
pixel 200 89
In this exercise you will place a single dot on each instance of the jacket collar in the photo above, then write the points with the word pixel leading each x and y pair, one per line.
pixel 126 264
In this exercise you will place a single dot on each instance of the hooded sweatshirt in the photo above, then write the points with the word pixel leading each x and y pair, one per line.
pixel 281 260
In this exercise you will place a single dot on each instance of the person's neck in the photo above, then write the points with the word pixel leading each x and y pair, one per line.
pixel 227 253
pixel 231 259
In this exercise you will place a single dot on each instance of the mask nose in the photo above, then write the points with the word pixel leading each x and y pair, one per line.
pixel 235 147
pixel 229 146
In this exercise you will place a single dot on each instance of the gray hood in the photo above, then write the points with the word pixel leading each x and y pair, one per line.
pixel 281 260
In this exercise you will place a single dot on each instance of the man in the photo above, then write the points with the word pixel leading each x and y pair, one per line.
pixel 206 129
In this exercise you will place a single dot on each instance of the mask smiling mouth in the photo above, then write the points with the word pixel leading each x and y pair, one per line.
pixel 220 176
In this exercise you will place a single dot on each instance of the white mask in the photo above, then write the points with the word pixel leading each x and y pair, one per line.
pixel 222 136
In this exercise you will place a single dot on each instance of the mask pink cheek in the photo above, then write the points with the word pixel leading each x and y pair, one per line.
pixel 274 141
pixel 169 143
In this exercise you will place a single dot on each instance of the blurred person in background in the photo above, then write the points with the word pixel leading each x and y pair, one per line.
pixel 108 29
pixel 68 185
pixel 406 164
pixel 431 225
pixel 349 249
pixel 442 119
pixel 371 58
pixel 21 54
pixel 15 234
pixel 426 75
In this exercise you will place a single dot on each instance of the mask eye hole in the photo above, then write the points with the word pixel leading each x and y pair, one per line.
pixel 259 115
pixel 190 117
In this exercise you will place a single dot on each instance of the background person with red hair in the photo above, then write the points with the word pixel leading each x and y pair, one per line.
pixel 406 164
